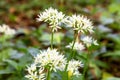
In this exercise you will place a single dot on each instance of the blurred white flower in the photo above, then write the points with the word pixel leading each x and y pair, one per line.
pixel 95 42
pixel 89 41
pixel 35 73
pixel 6 30
pixel 77 46
pixel 51 58
pixel 79 23
pixel 73 67
pixel 31 68
pixel 53 17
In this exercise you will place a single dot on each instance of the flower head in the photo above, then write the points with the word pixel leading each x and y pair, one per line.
pixel 73 67
pixel 53 17
pixel 77 46
pixel 6 30
pixel 51 58
pixel 35 72
pixel 89 41
pixel 79 23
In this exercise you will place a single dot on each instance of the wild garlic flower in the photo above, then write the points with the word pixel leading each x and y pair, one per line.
pixel 89 41
pixel 5 29
pixel 53 17
pixel 79 23
pixel 35 72
pixel 73 67
pixel 77 46
pixel 51 58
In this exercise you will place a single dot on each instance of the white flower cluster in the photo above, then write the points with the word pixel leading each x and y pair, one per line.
pixel 6 30
pixel 35 72
pixel 55 61
pixel 82 25
pixel 79 23
pixel 77 46
pixel 88 41
pixel 53 17
pixel 51 58
pixel 73 67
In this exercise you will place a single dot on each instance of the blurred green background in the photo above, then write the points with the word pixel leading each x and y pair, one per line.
pixel 17 52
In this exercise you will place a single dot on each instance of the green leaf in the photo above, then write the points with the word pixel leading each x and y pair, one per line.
pixel 100 63
pixel 58 37
pixel 4 54
pixel 77 77
pixel 106 75
pixel 114 7
pixel 81 57
pixel 106 20
pixel 12 63
pixel 115 53
pixel 33 51
pixel 5 71
pixel 46 38
pixel 96 69
pixel 112 78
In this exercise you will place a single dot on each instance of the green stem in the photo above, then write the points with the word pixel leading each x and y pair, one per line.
pixel 65 75
pixel 69 58
pixel 86 65
pixel 52 39
pixel 71 54
pixel 48 74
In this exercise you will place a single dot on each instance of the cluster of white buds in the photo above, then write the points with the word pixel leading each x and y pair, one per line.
pixel 47 59
pixel 5 29
pixel 35 72
pixel 77 46
pixel 52 59
pixel 73 67
pixel 53 17
pixel 88 41
pixel 79 23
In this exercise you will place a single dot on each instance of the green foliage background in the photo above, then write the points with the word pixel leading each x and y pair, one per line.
pixel 17 52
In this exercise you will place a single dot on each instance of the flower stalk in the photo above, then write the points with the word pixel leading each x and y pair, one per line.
pixel 52 39
pixel 48 74
pixel 70 57
pixel 71 54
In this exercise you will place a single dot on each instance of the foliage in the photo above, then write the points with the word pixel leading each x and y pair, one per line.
pixel 18 51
